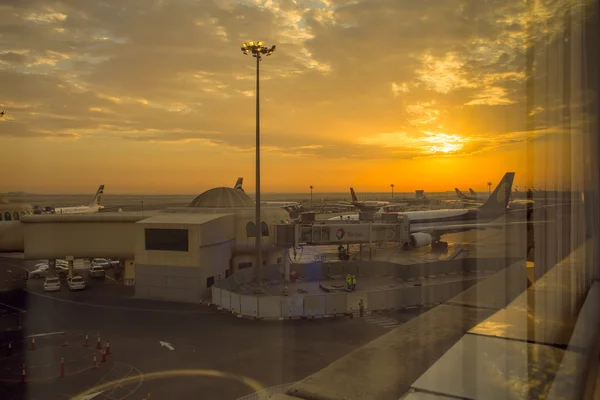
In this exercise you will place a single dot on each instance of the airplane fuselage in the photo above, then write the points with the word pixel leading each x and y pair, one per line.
pixel 77 210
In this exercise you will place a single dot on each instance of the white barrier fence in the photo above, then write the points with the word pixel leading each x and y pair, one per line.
pixel 331 304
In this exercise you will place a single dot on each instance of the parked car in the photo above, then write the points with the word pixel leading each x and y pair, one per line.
pixel 37 272
pixel 52 284
pixel 96 271
pixel 76 283
pixel 101 262
pixel 62 271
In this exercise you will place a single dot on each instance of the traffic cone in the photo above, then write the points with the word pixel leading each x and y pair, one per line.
pixel 23 374
pixel 87 341
pixel 103 355
pixel 65 340
pixel 107 347
pixel 98 343
pixel 290 314
pixel 32 343
pixel 62 367
pixel 334 313
pixel 9 351
pixel 95 365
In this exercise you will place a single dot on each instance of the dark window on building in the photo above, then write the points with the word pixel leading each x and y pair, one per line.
pixel 16 215
pixel 210 281
pixel 264 228
pixel 167 239
pixel 7 216
pixel 244 265
pixel 250 229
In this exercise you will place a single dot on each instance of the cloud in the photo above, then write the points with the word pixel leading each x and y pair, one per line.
pixel 367 80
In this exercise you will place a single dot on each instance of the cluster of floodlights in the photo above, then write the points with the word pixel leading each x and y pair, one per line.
pixel 257 48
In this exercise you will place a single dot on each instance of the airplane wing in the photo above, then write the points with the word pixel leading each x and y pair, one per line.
pixel 440 230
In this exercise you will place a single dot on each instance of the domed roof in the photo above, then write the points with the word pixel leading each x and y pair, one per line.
pixel 222 197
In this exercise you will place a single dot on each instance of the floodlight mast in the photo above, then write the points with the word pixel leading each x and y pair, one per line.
pixel 258 50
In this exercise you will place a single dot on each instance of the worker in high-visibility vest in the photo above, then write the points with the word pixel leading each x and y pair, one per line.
pixel 353 282
pixel 348 282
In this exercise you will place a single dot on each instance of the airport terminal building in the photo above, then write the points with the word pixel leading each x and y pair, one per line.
pixel 176 254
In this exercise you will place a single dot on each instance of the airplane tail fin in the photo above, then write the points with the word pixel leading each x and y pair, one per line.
pixel 498 201
pixel 238 184
pixel 472 192
pixel 354 198
pixel 459 194
pixel 98 196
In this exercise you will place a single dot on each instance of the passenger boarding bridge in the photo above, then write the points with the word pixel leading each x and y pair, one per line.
pixel 328 232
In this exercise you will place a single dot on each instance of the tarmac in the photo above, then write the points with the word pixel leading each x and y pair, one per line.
pixel 213 353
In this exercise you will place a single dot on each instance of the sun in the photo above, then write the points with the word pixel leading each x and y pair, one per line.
pixel 438 142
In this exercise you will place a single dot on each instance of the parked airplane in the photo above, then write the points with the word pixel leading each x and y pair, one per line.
pixel 93 207
pixel 364 205
pixel 474 197
pixel 427 227
pixel 290 205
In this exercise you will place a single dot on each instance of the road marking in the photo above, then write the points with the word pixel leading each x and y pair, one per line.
pixel 44 334
pixel 14 308
pixel 89 396
pixel 167 345
pixel 110 277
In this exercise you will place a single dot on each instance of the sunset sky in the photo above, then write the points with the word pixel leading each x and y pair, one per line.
pixel 151 96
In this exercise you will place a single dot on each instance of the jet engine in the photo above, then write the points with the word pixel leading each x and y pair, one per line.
pixel 418 240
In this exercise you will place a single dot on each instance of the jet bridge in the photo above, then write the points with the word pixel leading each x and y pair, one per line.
pixel 342 232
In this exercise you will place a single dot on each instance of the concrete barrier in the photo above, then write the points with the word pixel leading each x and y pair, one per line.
pixel 216 296
pixel 236 303
pixel 249 306
pixel 315 305
pixel 376 300
pixel 269 307
pixel 292 306
pixel 411 296
pixel 434 294
pixel 336 303
pixel 393 299
pixel 225 299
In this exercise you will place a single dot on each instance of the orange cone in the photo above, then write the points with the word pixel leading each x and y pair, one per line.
pixel 107 347
pixel 32 343
pixel 95 365
pixel 62 367
pixel 103 355
pixel 23 374
pixel 99 343
pixel 87 341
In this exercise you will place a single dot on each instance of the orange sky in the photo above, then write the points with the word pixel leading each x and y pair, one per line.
pixel 363 94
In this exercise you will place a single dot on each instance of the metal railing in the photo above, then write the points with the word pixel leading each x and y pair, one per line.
pixel 267 393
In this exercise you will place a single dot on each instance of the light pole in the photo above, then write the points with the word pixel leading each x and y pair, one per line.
pixel 311 189
pixel 392 186
pixel 257 49
pixel 489 187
